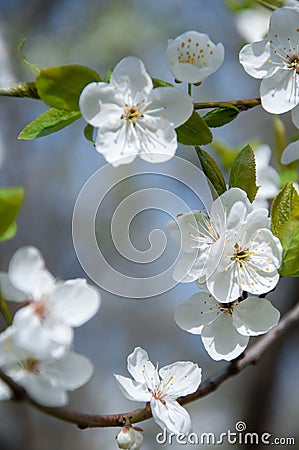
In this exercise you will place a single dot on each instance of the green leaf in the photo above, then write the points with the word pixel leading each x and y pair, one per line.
pixel 48 122
pixel 88 133
pixel 285 207
pixel 9 233
pixel 243 172
pixel 61 86
pixel 32 67
pixel 285 225
pixel 10 202
pixel 221 116
pixel 211 170
pixel 194 132
pixel 289 238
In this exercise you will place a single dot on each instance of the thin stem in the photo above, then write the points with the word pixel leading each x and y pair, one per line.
pixel 190 89
pixel 5 311
pixel 242 104
pixel 82 420
pixel 267 5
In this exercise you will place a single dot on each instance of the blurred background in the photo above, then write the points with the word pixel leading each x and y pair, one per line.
pixel 53 169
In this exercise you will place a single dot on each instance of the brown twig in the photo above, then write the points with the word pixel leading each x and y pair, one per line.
pixel 82 420
pixel 243 105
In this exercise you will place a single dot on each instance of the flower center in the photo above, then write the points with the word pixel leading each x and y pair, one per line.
pixel 294 62
pixel 31 365
pixel 158 394
pixel 132 114
pixel 241 255
pixel 40 309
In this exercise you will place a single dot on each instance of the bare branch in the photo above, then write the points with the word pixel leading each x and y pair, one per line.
pixel 82 420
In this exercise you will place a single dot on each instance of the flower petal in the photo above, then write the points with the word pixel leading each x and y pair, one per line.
pixel 28 274
pixel 291 152
pixel 255 58
pixel 69 372
pixel 95 100
pixel 142 369
pixel 295 119
pixel 8 291
pixel 176 105
pixel 221 339
pixel 34 336
pixel 42 390
pixel 75 302
pixel 255 316
pixel 279 93
pixel 157 138
pixel 172 416
pixel 132 389
pixel 196 312
pixel 131 74
pixel 185 376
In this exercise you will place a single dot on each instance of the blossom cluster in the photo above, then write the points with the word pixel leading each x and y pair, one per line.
pixel 134 118
pixel 35 351
pixel 230 252
pixel 275 60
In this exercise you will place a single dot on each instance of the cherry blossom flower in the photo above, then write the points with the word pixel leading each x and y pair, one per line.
pixel 133 118
pixel 276 61
pixel 129 438
pixel 225 328
pixel 250 260
pixel 45 379
pixel 161 388
pixel 267 178
pixel 290 153
pixel 201 236
pixel 192 57
pixel 44 325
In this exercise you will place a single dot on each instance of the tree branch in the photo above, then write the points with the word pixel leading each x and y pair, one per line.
pixel 244 105
pixel 82 420
pixel 28 90
pixel 21 89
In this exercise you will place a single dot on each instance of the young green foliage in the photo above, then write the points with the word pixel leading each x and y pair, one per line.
pixel 194 132
pixel 243 172
pixel 211 170
pixel 11 199
pixel 285 225
pixel 221 116
pixel 60 87
pixel 48 122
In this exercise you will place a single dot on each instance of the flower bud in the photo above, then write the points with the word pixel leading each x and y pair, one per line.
pixel 129 438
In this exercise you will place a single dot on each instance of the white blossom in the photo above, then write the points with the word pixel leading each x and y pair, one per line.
pixel 290 153
pixel 192 56
pixel 225 328
pixel 250 260
pixel 276 61
pixel 51 308
pixel 129 438
pixel 267 178
pixel 201 235
pixel 46 379
pixel 133 118
pixel 161 388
